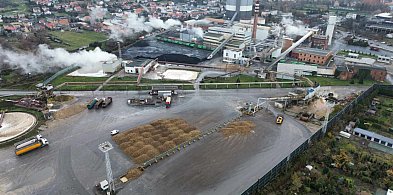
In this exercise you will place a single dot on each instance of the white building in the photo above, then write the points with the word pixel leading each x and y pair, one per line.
pixel 112 66
pixel 262 31
pixel 296 68
pixel 234 57
pixel 330 28
pixel 139 65
pixel 384 59
pixel 216 35
pixel 287 70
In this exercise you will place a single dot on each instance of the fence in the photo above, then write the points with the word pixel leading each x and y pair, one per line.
pixel 254 189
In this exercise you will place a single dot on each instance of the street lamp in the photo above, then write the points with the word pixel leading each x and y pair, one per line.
pixel 105 147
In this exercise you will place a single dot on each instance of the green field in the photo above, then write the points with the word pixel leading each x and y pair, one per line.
pixel 76 40
pixel 65 78
pixel 19 6
pixel 325 81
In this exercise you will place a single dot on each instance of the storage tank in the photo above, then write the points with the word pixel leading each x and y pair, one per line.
pixel 243 7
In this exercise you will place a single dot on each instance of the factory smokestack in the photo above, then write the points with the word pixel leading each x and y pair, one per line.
pixel 118 45
pixel 256 16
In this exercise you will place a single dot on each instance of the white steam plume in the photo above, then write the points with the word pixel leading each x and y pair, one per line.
pixel 44 59
pixel 294 27
pixel 97 14
pixel 133 24
pixel 197 31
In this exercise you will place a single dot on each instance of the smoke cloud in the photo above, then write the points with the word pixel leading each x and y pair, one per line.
pixel 97 14
pixel 44 59
pixel 293 27
pixel 132 24
pixel 197 31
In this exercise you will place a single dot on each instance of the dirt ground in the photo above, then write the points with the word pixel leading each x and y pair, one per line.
pixel 238 128
pixel 70 111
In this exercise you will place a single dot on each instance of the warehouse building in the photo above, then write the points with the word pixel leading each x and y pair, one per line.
pixel 139 65
pixel 374 137
pixel 312 55
pixel 287 69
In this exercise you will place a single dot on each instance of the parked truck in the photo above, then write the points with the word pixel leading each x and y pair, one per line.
pixel 106 102
pixel 99 103
pixel 91 104
pixel 30 144
pixel 168 102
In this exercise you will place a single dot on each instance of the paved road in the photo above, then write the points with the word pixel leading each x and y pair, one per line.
pixel 72 164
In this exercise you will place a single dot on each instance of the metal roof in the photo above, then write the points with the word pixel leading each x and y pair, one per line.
pixel 139 62
pixel 313 51
pixel 374 135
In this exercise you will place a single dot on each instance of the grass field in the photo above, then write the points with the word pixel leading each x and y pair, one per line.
pixel 324 81
pixel 65 78
pixel 19 6
pixel 75 40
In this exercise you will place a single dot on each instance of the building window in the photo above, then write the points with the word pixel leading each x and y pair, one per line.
pixel 234 56
pixel 369 138
pixel 227 54
pixel 361 135
pixel 376 140
pixel 389 145
pixel 383 142
pixel 356 133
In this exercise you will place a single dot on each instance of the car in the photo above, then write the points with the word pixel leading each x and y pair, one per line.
pixel 114 132
pixel 279 119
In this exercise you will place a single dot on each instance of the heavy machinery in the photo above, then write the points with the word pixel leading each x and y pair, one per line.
pixel 30 144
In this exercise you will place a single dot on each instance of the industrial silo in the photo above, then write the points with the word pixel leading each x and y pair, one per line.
pixel 242 7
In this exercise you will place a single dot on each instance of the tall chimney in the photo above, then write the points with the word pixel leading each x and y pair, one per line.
pixel 118 44
pixel 256 16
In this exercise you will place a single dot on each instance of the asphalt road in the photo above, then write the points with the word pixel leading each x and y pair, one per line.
pixel 72 164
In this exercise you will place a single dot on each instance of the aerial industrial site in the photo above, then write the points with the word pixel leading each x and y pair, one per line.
pixel 196 97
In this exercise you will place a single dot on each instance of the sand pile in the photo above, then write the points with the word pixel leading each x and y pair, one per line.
pixel 147 141
pixel 238 127
pixel 69 111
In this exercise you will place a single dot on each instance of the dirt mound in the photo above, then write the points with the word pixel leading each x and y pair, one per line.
pixel 238 127
pixel 134 173
pixel 69 111
pixel 145 142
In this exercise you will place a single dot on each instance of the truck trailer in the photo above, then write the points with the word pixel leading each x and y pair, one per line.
pixel 91 104
pixel 106 102
pixel 30 144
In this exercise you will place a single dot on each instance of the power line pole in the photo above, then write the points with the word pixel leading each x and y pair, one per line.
pixel 105 147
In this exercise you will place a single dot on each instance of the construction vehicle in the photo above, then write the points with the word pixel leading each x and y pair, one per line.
pixel 30 144
pixel 106 102
pixel 279 119
pixel 91 104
